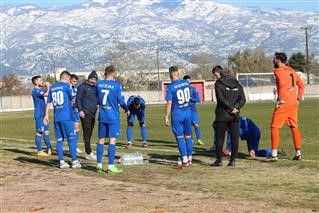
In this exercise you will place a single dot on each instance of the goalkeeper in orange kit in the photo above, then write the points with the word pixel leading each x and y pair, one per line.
pixel 290 90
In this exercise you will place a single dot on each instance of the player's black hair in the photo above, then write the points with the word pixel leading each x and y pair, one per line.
pixel 173 69
pixel 34 78
pixel 64 73
pixel 74 76
pixel 217 68
pixel 109 69
pixel 136 103
pixel 186 77
pixel 281 56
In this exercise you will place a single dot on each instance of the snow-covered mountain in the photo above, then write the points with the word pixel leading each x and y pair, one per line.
pixel 34 39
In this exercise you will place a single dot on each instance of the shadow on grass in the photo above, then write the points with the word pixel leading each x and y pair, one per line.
pixel 49 162
pixel 19 151
pixel 169 160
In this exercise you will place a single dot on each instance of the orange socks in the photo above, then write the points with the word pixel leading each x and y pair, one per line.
pixel 296 136
pixel 274 138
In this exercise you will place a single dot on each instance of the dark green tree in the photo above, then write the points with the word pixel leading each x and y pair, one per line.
pixel 298 62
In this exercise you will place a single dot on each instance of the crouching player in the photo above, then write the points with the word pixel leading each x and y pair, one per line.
pixel 136 106
pixel 178 95
pixel 109 93
pixel 249 132
pixel 195 119
pixel 76 116
pixel 42 130
pixel 60 95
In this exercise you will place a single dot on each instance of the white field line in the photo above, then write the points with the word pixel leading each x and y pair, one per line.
pixel 135 148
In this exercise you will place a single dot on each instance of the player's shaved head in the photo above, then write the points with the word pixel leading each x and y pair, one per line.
pixel 65 75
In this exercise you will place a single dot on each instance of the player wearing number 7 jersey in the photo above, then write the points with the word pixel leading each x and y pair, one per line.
pixel 290 91
pixel 178 95
pixel 109 94
pixel 60 95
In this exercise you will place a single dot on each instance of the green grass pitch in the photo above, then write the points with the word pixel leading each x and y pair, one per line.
pixel 290 184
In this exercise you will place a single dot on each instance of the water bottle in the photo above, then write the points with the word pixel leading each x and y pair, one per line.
pixel 134 158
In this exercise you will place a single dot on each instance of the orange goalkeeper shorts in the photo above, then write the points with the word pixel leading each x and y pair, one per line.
pixel 284 113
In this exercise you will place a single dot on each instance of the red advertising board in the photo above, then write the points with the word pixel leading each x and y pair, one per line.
pixel 199 85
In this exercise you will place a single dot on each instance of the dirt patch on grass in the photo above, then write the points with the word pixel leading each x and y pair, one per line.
pixel 35 189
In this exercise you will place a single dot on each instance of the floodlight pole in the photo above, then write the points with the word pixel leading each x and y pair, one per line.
pixel 307 52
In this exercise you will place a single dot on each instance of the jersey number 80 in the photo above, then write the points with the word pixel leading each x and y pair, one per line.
pixel 57 98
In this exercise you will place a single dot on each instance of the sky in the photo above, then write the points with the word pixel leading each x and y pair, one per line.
pixel 302 5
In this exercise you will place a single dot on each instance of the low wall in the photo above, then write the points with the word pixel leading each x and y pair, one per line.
pixel 18 103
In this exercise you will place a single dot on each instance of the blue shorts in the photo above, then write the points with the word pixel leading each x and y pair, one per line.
pixel 140 117
pixel 76 117
pixel 109 130
pixel 40 127
pixel 64 129
pixel 182 126
pixel 195 118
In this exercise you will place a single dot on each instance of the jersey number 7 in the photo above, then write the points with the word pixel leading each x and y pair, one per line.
pixel 105 94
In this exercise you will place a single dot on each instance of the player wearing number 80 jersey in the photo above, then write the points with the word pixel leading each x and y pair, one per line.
pixel 60 95
pixel 178 95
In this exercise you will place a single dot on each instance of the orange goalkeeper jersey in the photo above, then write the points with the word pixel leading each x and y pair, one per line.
pixel 289 85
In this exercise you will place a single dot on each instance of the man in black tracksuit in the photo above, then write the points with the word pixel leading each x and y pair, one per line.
pixel 86 102
pixel 230 98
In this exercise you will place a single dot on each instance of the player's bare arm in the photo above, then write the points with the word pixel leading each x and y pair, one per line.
pixel 168 112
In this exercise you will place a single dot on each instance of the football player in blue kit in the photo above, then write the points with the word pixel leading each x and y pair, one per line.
pixel 195 98
pixel 42 130
pixel 249 132
pixel 60 95
pixel 136 105
pixel 76 117
pixel 109 93
pixel 178 96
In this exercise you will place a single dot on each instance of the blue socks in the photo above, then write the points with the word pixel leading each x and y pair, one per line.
pixel 38 142
pixel 198 133
pixel 189 146
pixel 111 152
pixel 59 149
pixel 144 133
pixel 181 146
pixel 76 139
pixel 47 142
pixel 72 147
pixel 99 152
pixel 129 133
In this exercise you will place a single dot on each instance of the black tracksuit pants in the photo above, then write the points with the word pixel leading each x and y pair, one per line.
pixel 87 127
pixel 220 130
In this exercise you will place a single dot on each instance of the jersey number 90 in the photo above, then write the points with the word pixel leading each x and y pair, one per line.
pixel 183 95
pixel 57 98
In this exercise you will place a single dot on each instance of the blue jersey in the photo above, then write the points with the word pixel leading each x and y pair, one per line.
pixel 194 99
pixel 74 91
pixel 247 129
pixel 142 104
pixel 179 92
pixel 60 95
pixel 109 95
pixel 39 103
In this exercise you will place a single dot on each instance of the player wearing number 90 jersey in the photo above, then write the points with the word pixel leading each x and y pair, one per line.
pixel 178 95
pixel 60 95
pixel 109 94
